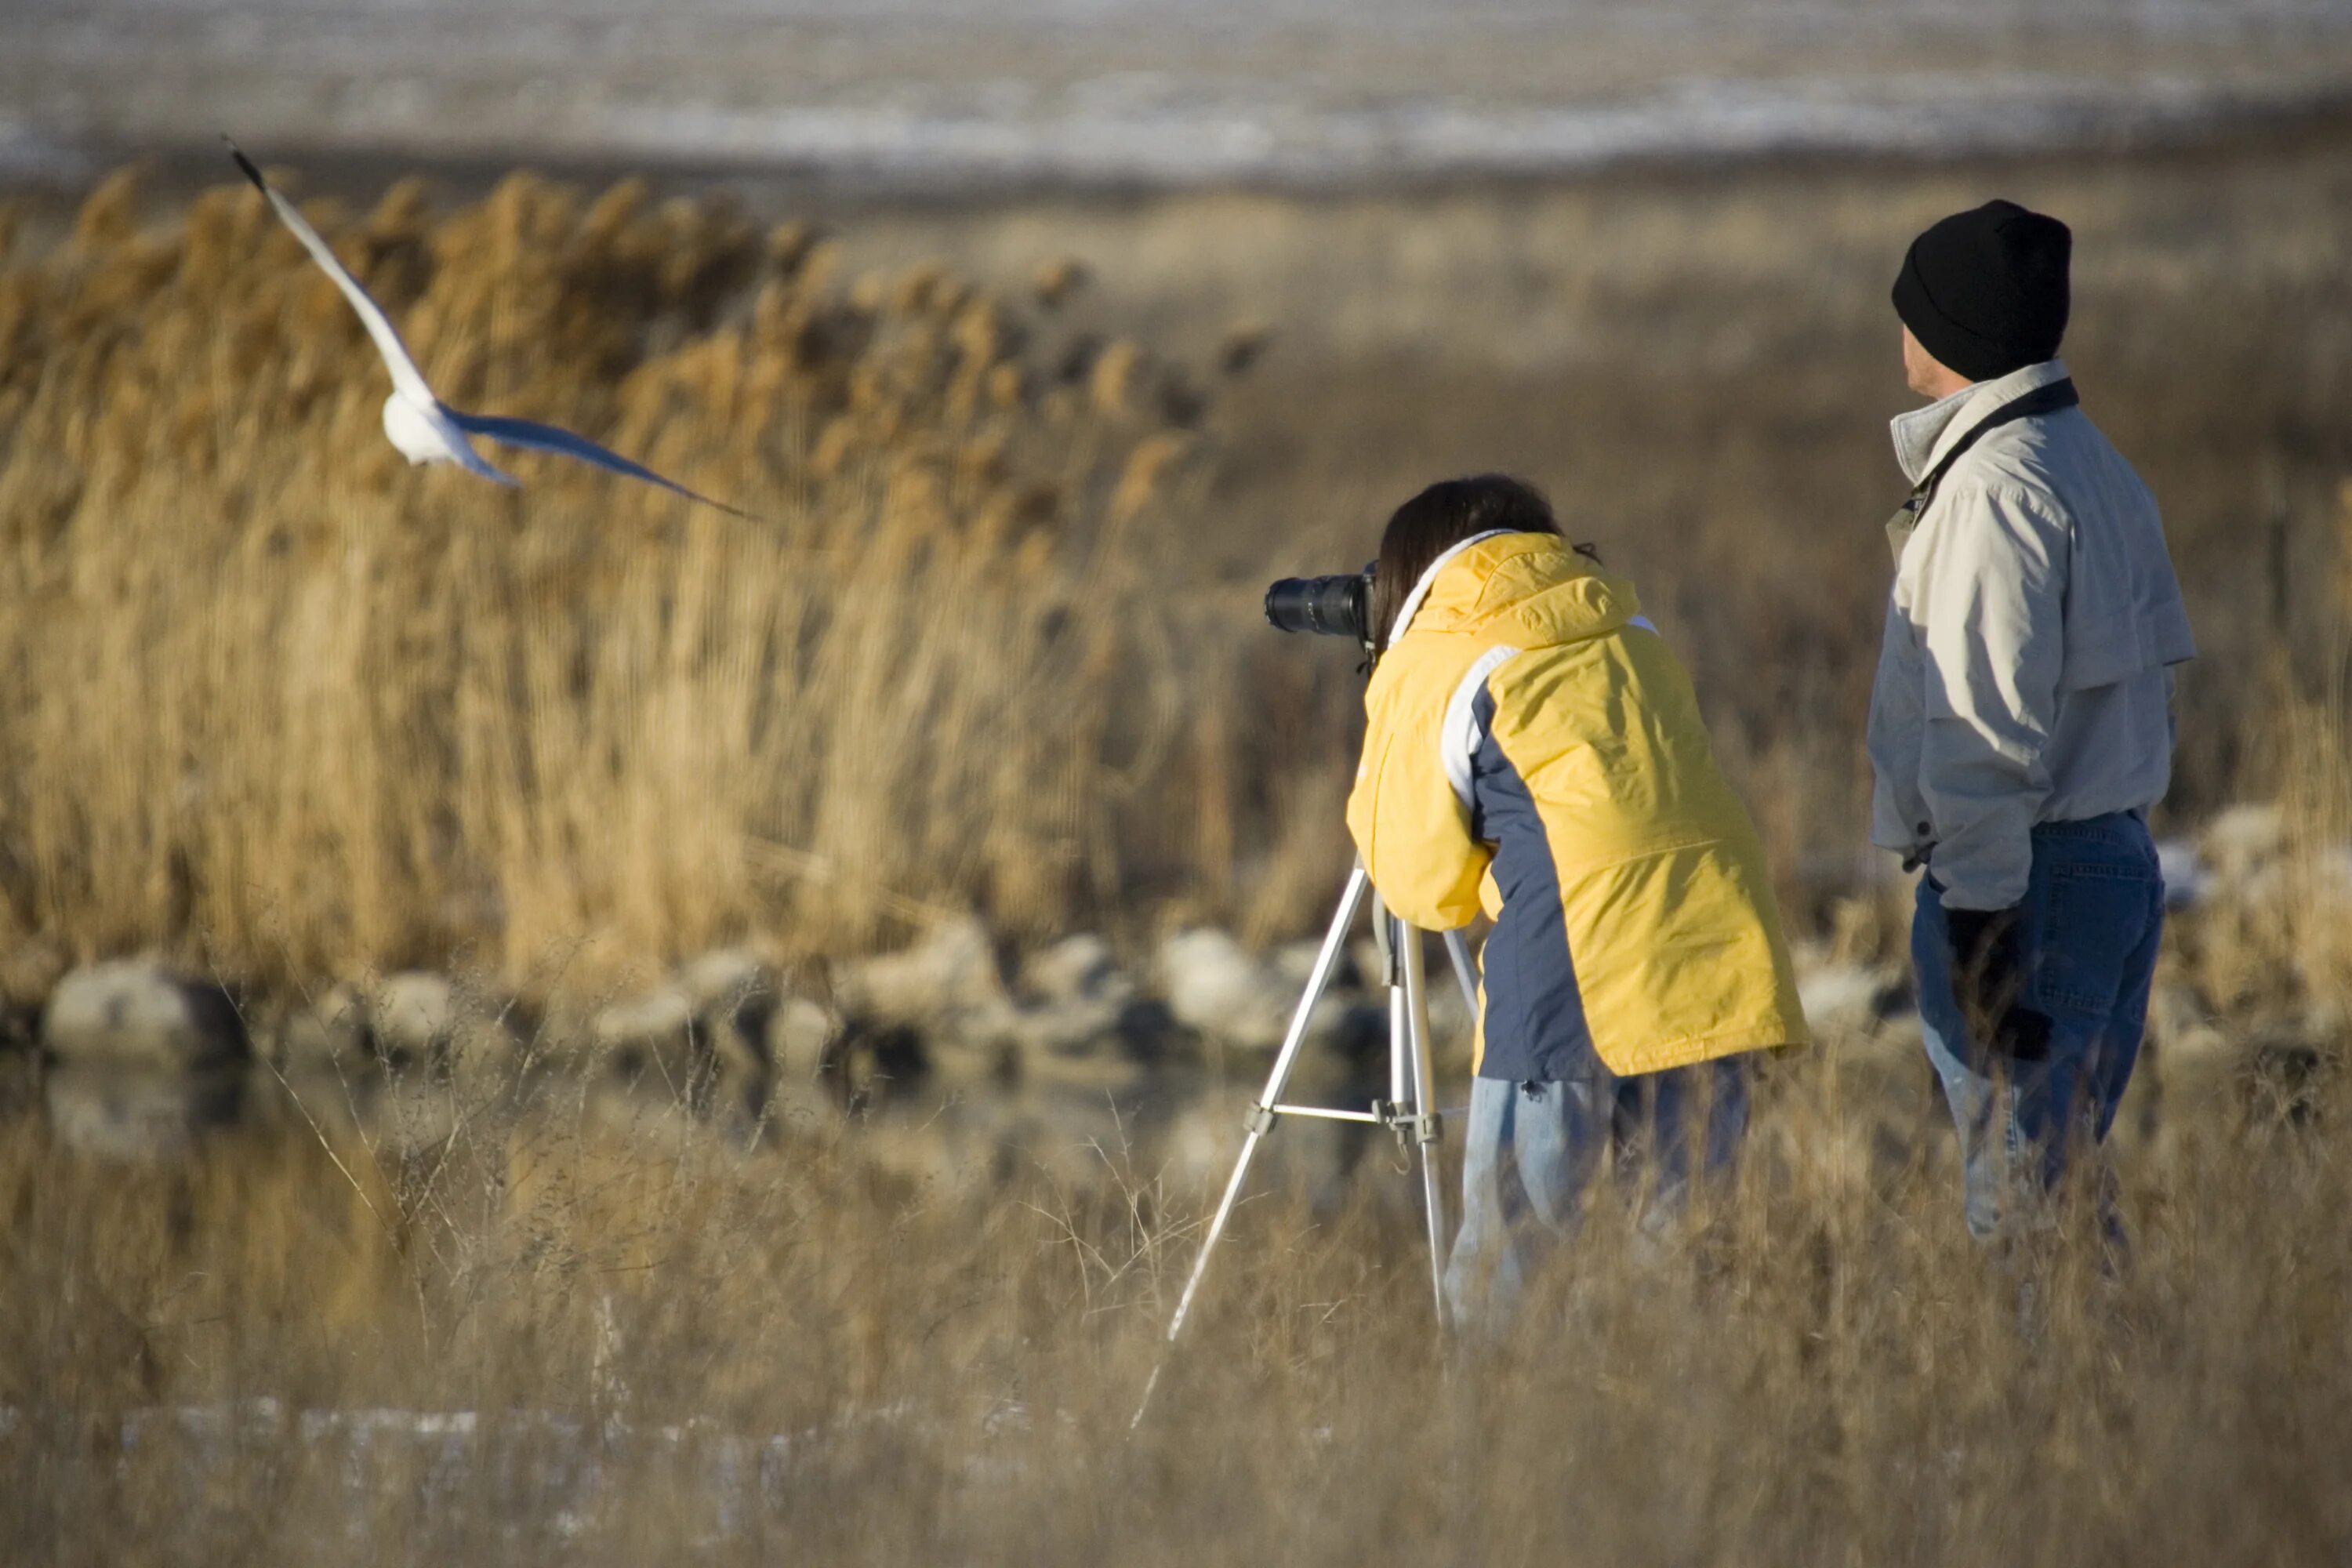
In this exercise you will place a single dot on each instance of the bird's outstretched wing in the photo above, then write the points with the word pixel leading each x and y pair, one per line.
pixel 405 376
pixel 473 462
pixel 550 438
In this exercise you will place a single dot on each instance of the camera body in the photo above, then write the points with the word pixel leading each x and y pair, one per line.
pixel 1336 606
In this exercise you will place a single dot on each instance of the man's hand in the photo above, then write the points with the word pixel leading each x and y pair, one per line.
pixel 1989 979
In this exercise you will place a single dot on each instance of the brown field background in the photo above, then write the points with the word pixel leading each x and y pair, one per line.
pixel 286 711
pixel 676 1355
pixel 285 706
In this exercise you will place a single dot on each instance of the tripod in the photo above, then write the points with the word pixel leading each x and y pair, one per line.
pixel 1410 1109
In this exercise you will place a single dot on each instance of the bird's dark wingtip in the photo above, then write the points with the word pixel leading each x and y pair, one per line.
pixel 246 164
pixel 720 505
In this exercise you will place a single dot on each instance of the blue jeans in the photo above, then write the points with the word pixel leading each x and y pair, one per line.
pixel 1534 1149
pixel 2089 927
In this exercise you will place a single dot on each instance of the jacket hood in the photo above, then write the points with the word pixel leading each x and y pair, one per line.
pixel 1532 590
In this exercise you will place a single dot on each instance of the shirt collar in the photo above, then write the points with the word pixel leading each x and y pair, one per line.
pixel 1923 435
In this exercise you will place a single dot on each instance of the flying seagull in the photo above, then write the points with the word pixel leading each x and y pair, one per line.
pixel 424 429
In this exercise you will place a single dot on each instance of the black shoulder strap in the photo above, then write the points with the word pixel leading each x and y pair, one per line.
pixel 2047 399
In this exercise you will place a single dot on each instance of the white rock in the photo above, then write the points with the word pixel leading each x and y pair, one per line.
pixel 799 1033
pixel 1077 968
pixel 423 1020
pixel 1074 997
pixel 413 1013
pixel 1216 986
pixel 659 1024
pixel 132 1012
pixel 953 970
pixel 1842 996
pixel 2242 843
pixel 662 1042
pixel 2187 881
pixel 2182 1027
pixel 1294 961
pixel 329 1032
pixel 723 981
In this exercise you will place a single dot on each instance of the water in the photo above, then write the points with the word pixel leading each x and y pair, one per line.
pixel 953 93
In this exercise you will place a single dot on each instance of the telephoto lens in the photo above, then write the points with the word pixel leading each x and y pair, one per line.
pixel 1336 606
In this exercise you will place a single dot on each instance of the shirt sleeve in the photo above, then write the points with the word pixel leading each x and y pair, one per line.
pixel 1409 825
pixel 1988 608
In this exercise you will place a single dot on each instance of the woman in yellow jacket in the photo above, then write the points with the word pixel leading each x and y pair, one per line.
pixel 1534 749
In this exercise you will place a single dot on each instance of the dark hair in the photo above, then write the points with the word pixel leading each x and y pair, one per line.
pixel 1441 517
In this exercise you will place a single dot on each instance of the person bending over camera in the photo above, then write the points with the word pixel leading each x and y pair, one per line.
pixel 1534 748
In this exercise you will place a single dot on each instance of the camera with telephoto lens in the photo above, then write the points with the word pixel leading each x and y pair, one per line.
pixel 1337 607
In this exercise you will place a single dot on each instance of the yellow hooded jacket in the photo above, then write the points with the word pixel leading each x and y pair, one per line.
pixel 1534 748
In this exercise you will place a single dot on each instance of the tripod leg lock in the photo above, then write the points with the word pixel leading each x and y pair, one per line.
pixel 1428 1127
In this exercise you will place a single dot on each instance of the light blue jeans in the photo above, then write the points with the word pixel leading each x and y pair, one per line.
pixel 2091 923
pixel 1533 1152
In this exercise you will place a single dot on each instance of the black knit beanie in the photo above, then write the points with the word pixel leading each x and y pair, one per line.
pixel 1985 291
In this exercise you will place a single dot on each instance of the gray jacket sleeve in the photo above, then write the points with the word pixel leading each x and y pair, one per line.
pixel 1989 606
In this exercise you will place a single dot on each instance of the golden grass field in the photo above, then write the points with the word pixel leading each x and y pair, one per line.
pixel 287 711
pixel 411 716
pixel 286 707
pixel 637 1352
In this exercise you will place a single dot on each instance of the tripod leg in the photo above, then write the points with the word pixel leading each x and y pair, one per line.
pixel 1396 939
pixel 1424 1105
pixel 1261 1118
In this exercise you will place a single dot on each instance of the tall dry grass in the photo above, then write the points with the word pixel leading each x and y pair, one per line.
pixel 275 700
pixel 286 706
pixel 562 1342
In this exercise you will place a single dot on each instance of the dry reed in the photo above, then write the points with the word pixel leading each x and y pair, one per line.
pixel 570 1342
pixel 277 699
pixel 284 705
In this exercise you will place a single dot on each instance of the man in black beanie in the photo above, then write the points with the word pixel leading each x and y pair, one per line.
pixel 1985 293
pixel 2021 722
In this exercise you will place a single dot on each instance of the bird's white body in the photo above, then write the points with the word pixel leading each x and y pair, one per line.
pixel 421 437
pixel 430 434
